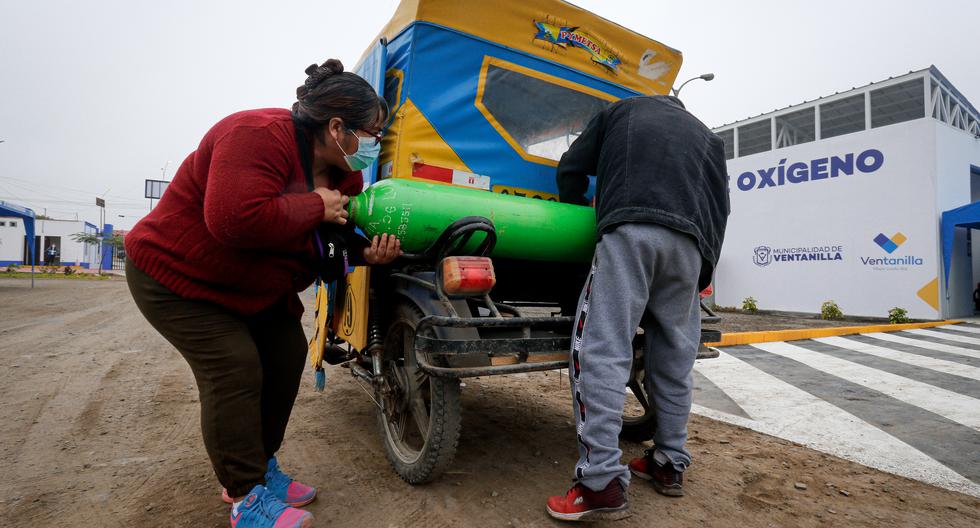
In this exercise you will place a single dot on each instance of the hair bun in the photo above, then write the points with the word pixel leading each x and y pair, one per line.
pixel 319 73
pixel 301 92
pixel 334 65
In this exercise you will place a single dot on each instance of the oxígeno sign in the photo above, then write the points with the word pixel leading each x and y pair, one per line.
pixel 865 162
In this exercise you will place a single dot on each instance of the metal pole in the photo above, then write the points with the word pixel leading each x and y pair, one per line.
pixel 678 90
pixel 705 76
pixel 42 230
pixel 101 238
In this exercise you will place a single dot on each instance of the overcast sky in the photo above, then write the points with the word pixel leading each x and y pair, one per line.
pixel 97 96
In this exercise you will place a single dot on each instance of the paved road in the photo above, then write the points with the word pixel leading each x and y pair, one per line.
pixel 905 402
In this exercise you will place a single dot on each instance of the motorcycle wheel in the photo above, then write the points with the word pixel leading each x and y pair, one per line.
pixel 419 415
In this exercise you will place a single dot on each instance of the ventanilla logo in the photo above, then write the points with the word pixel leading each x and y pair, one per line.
pixel 890 244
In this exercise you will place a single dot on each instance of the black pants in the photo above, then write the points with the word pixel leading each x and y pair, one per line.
pixel 247 369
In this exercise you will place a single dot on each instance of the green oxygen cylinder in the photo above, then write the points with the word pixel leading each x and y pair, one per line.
pixel 417 213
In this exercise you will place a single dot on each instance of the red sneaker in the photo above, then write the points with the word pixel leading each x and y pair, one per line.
pixel 665 479
pixel 583 504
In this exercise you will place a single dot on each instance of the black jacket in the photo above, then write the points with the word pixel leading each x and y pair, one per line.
pixel 654 162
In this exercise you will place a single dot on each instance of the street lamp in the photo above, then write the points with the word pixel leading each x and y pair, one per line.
pixel 705 76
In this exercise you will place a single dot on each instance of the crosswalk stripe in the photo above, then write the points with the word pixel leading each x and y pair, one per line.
pixel 926 344
pixel 957 332
pixel 939 365
pixel 961 328
pixel 930 339
pixel 782 410
pixel 710 395
pixel 951 382
pixel 917 350
pixel 948 442
pixel 946 336
pixel 923 349
pixel 955 407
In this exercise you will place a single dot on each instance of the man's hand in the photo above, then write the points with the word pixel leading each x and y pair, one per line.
pixel 333 205
pixel 383 250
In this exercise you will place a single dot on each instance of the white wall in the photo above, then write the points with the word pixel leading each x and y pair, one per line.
pixel 956 150
pixel 848 212
pixel 72 253
pixel 11 239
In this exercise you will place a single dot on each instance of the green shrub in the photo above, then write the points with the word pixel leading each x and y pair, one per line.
pixel 830 311
pixel 749 305
pixel 898 315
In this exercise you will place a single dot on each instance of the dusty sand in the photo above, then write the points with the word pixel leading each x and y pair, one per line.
pixel 761 321
pixel 100 428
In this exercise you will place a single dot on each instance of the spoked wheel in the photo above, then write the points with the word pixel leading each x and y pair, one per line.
pixel 639 418
pixel 419 415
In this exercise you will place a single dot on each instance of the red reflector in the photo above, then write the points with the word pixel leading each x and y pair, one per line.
pixel 467 275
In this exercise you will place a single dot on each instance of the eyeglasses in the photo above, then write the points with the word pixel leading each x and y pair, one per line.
pixel 377 137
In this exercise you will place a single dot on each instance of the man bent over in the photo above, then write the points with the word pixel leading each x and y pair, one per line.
pixel 661 210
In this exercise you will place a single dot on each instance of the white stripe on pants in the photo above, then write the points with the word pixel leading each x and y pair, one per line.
pixel 637 269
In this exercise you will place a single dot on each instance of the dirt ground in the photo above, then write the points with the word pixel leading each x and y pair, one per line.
pixel 748 322
pixel 100 428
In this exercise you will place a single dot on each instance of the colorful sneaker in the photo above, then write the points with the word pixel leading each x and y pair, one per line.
pixel 583 504
pixel 295 494
pixel 261 509
pixel 665 479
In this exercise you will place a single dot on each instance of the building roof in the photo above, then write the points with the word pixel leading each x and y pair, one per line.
pixel 931 70
pixel 949 86
pixel 925 93
pixel 17 210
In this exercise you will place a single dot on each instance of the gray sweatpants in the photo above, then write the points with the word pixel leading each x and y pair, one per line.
pixel 637 269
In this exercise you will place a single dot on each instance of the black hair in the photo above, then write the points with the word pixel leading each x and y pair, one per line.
pixel 331 92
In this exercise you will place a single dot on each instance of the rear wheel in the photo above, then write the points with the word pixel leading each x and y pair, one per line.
pixel 419 415
pixel 639 418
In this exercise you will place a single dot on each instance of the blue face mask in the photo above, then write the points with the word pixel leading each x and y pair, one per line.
pixel 368 149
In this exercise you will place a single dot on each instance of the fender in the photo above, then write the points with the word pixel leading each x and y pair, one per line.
pixel 429 303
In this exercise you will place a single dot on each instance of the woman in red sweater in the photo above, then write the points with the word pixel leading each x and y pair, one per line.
pixel 217 265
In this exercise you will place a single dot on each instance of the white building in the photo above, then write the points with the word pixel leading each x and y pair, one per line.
pixel 57 233
pixel 840 199
pixel 12 243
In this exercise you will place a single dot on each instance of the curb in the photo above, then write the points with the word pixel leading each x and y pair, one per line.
pixel 747 338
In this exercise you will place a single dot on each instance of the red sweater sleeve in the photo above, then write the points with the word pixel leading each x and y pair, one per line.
pixel 244 204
